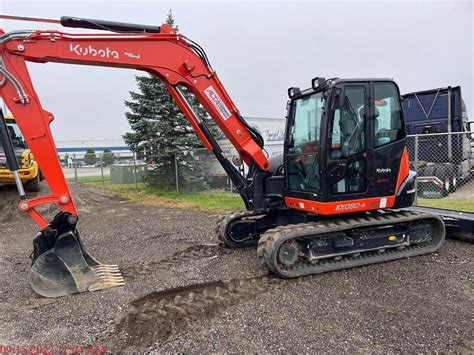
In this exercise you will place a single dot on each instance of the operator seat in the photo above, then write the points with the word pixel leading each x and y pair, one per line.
pixel 347 125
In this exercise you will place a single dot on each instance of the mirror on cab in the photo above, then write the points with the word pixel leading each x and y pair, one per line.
pixel 339 95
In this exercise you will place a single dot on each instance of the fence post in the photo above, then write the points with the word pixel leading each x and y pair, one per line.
pixel 450 123
pixel 416 168
pixel 176 172
pixel 135 171
pixel 74 164
pixel 101 162
pixel 231 187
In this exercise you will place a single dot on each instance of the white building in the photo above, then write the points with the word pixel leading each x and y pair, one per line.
pixel 78 148
pixel 271 129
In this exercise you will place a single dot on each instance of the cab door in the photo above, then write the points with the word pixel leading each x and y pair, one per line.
pixel 302 149
pixel 388 138
pixel 348 159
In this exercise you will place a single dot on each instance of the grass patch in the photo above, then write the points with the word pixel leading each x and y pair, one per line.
pixel 222 201
pixel 208 201
pixel 466 205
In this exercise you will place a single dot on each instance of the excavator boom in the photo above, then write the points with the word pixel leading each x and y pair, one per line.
pixel 161 51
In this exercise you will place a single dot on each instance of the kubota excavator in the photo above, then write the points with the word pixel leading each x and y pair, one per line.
pixel 329 202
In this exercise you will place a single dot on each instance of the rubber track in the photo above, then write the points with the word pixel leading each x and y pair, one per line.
pixel 274 238
pixel 158 315
pixel 224 221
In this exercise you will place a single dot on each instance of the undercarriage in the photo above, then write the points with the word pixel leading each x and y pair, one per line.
pixel 308 244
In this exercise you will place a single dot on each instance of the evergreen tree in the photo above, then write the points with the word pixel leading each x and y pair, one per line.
pixel 90 158
pixel 107 157
pixel 66 159
pixel 161 134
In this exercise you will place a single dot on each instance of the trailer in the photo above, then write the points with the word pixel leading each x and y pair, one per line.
pixel 459 224
pixel 442 153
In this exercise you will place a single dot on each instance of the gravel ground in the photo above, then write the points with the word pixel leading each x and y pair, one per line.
pixel 184 293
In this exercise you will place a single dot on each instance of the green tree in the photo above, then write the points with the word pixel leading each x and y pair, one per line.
pixel 66 159
pixel 107 157
pixel 90 157
pixel 161 133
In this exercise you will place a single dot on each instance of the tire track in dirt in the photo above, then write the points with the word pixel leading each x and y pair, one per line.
pixel 8 211
pixel 192 253
pixel 9 200
pixel 83 196
pixel 156 316
pixel 8 203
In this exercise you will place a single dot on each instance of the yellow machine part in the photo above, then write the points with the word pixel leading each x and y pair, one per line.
pixel 29 169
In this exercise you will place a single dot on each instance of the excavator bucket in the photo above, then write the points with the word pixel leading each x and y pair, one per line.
pixel 61 266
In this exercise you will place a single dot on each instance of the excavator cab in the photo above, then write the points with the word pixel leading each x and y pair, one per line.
pixel 345 141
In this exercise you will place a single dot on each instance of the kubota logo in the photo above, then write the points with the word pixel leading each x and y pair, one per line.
pixel 93 52
pixel 350 206
pixel 383 170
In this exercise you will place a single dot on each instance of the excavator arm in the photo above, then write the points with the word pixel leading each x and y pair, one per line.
pixel 170 56
pixel 161 51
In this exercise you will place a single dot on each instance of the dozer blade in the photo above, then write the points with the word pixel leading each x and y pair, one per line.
pixel 67 268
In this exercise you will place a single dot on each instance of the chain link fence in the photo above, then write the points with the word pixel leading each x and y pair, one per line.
pixel 128 168
pixel 444 163
pixel 105 168
pixel 216 178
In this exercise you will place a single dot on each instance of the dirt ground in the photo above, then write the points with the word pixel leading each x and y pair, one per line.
pixel 184 293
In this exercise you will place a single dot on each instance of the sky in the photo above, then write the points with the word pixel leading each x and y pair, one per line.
pixel 259 49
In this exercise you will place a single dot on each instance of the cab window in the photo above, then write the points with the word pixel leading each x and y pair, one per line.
pixel 303 147
pixel 388 117
pixel 347 140
pixel 15 135
pixel 348 125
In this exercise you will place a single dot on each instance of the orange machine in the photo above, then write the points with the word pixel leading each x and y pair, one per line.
pixel 325 204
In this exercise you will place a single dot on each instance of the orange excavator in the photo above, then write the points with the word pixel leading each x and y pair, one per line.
pixel 332 200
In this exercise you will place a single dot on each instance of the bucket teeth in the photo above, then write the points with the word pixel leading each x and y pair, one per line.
pixel 103 269
pixel 105 273
pixel 100 269
pixel 117 280
pixel 105 265
pixel 110 276
pixel 105 285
